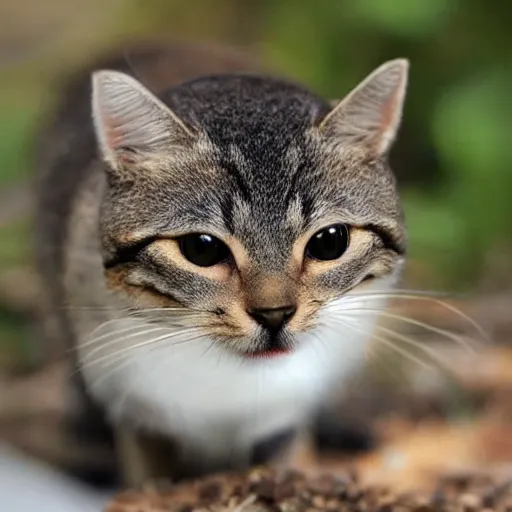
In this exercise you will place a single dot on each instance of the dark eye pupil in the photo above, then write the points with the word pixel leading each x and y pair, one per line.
pixel 203 250
pixel 329 243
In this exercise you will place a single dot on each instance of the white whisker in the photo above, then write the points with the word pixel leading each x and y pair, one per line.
pixel 425 349
pixel 425 296
pixel 180 310
pixel 130 318
pixel 128 309
pixel 117 332
pixel 400 292
pixel 364 311
pixel 134 333
pixel 102 325
pixel 389 344
pixel 124 362
pixel 145 343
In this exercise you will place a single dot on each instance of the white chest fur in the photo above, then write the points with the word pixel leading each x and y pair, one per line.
pixel 217 401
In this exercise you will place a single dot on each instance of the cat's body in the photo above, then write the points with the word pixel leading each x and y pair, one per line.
pixel 235 339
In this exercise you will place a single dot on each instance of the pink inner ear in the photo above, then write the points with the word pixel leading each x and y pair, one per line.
pixel 111 134
pixel 388 121
pixel 114 141
pixel 388 111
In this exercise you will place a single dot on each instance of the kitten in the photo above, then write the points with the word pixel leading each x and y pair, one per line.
pixel 210 241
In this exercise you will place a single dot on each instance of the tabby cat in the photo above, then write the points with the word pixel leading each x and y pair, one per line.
pixel 203 244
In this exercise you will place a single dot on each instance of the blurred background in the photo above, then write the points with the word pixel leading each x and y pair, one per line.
pixel 452 158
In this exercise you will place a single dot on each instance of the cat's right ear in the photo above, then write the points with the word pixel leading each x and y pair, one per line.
pixel 132 124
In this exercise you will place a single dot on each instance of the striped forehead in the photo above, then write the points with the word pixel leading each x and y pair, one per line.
pixel 266 213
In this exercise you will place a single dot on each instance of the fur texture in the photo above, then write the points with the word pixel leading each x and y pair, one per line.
pixel 262 164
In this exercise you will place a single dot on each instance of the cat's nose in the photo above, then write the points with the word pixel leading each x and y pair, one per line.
pixel 272 319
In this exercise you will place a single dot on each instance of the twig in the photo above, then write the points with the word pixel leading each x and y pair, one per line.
pixel 248 501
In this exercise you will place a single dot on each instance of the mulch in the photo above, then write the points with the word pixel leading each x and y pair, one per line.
pixel 265 490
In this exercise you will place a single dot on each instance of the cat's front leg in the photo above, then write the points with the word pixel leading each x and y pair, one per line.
pixel 145 459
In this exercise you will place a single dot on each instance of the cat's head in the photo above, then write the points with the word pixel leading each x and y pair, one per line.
pixel 249 200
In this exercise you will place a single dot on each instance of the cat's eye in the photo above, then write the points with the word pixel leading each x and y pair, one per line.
pixel 329 243
pixel 203 250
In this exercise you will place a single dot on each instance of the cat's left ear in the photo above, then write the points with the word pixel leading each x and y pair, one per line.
pixel 130 122
pixel 370 115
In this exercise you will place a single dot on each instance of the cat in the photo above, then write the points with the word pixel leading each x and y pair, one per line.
pixel 203 244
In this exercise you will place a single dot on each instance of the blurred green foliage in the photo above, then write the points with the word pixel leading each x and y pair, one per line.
pixel 453 154
pixel 18 120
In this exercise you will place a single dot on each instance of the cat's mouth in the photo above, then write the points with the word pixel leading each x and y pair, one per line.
pixel 271 346
pixel 269 353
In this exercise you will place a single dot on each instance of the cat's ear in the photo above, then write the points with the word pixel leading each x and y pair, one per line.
pixel 370 115
pixel 130 122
